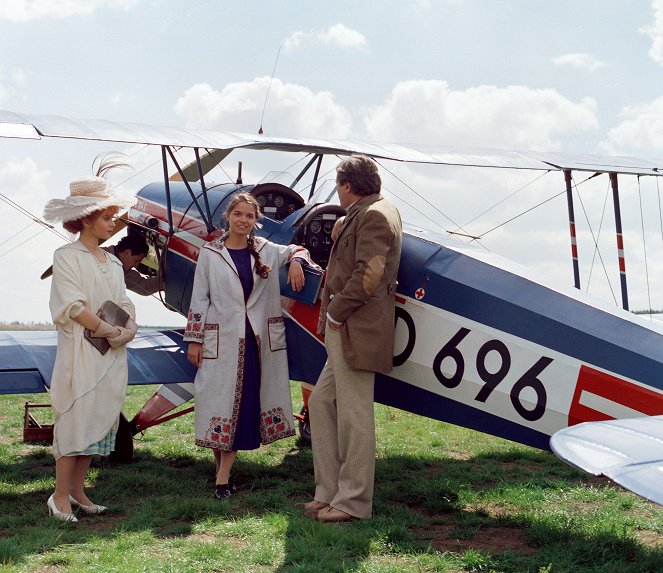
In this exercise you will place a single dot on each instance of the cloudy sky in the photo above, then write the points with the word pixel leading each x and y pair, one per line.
pixel 579 76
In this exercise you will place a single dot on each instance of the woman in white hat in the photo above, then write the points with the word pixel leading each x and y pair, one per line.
pixel 87 387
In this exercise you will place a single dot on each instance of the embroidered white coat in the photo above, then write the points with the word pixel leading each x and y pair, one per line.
pixel 87 388
pixel 217 319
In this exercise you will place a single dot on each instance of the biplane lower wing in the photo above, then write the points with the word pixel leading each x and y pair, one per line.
pixel 628 451
pixel 27 357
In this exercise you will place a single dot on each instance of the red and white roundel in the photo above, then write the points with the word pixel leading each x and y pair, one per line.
pixel 420 293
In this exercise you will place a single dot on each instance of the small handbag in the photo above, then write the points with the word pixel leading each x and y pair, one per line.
pixel 113 315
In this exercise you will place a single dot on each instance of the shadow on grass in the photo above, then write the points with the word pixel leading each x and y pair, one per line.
pixel 421 512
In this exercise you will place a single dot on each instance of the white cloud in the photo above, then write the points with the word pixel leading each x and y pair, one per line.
pixel 26 10
pixel 10 82
pixel 118 98
pixel 655 32
pixel 430 113
pixel 292 110
pixel 337 35
pixel 640 131
pixel 25 183
pixel 579 60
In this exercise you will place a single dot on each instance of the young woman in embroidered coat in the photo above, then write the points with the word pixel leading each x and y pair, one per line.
pixel 87 388
pixel 236 338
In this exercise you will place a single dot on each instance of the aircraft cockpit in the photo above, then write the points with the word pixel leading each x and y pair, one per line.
pixel 277 201
pixel 314 226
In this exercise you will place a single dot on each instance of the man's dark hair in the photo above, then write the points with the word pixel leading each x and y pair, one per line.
pixel 362 174
pixel 135 243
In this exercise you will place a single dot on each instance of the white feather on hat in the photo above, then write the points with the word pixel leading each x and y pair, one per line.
pixel 86 195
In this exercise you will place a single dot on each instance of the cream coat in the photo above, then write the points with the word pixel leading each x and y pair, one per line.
pixel 87 388
pixel 217 319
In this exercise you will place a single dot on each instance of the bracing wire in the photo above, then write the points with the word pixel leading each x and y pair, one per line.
pixel 482 235
pixel 425 215
pixel 22 243
pixel 30 216
pixel 596 245
pixel 17 233
pixel 507 197
pixel 269 87
pixel 598 236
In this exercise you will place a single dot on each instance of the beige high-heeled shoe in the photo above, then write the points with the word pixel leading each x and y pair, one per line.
pixel 93 509
pixel 57 514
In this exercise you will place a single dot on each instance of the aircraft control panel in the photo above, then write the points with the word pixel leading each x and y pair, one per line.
pixel 315 231
pixel 277 201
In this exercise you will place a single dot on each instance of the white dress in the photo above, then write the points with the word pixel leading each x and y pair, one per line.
pixel 87 388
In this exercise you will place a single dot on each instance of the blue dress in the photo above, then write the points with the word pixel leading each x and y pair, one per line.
pixel 247 436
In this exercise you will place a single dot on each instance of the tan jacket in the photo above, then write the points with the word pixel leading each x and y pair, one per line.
pixel 361 282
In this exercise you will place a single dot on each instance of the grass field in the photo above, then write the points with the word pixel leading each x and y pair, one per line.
pixel 447 500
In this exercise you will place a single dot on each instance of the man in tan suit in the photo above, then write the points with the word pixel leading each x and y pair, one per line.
pixel 358 324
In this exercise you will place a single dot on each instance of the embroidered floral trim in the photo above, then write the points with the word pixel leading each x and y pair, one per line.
pixel 274 425
pixel 194 326
pixel 220 433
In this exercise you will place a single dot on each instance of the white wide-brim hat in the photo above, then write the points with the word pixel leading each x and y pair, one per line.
pixel 86 195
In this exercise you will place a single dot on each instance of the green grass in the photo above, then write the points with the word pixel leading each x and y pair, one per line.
pixel 447 500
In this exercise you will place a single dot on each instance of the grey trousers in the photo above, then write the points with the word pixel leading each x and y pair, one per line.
pixel 343 433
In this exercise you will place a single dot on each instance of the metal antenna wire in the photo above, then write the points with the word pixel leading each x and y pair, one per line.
pixel 264 106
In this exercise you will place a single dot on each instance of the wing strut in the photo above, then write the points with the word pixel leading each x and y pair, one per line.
pixel 317 156
pixel 620 239
pixel 315 177
pixel 572 228
pixel 206 215
pixel 169 205
pixel 204 188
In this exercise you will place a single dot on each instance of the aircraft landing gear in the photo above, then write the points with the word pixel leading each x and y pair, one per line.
pixel 124 443
pixel 304 427
pixel 303 417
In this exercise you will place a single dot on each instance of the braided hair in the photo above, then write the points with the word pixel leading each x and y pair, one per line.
pixel 262 269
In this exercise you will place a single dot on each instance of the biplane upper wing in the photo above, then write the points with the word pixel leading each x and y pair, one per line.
pixel 27 357
pixel 628 451
pixel 29 126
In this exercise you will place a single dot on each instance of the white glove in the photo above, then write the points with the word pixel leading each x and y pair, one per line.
pixel 121 339
pixel 126 335
pixel 105 330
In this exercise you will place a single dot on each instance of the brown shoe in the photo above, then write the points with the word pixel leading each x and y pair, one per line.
pixel 333 515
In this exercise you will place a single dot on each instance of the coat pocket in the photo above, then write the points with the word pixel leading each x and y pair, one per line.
pixel 276 330
pixel 211 342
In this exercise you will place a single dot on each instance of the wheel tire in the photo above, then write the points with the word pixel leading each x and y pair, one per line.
pixel 305 428
pixel 124 443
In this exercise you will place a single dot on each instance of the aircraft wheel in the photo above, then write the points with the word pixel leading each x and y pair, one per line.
pixel 124 443
pixel 305 428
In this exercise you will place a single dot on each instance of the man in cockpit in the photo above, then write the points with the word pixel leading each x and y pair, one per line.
pixel 131 250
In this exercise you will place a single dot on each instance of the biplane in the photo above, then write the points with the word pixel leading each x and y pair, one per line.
pixel 481 341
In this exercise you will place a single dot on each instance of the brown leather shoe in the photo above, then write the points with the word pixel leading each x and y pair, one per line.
pixel 333 515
